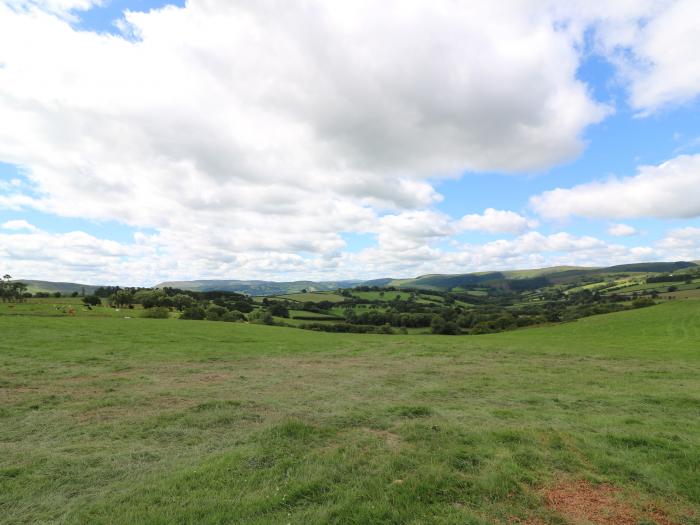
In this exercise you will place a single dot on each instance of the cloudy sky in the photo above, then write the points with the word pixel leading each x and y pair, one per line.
pixel 146 140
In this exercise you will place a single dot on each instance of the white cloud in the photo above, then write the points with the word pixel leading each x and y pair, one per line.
pixel 656 52
pixel 621 230
pixel 663 191
pixel 251 136
pixel 682 241
pixel 62 8
pixel 19 224
pixel 496 221
pixel 260 127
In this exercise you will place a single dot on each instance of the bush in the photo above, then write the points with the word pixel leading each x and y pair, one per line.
pixel 261 315
pixel 643 302
pixel 193 313
pixel 232 316
pixel 215 313
pixel 279 310
pixel 92 300
pixel 159 312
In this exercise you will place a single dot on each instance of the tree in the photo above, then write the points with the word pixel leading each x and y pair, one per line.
pixel 182 301
pixel 261 315
pixel 279 310
pixel 193 313
pixel 122 298
pixel 92 300
pixel 437 325
pixel 232 316
pixel 12 291
pixel 215 313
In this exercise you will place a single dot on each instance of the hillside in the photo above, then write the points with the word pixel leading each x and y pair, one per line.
pixel 167 421
pixel 34 286
pixel 257 287
pixel 518 279
pixel 535 278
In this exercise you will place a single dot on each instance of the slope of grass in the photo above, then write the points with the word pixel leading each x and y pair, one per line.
pixel 312 297
pixel 123 421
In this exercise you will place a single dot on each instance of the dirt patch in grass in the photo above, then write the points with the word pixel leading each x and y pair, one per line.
pixel 581 502
pixel 393 441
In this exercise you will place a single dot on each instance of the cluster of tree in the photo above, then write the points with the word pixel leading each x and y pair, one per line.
pixel 348 328
pixel 389 317
pixel 57 295
pixel 212 312
pixel 670 278
pixel 452 313
pixel 12 291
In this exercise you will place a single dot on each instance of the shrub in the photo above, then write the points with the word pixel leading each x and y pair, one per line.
pixel 215 313
pixel 261 315
pixel 193 313
pixel 92 300
pixel 232 316
pixel 159 312
pixel 643 302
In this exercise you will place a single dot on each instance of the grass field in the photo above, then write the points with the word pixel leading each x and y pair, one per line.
pixel 381 296
pixel 61 306
pixel 124 421
pixel 313 297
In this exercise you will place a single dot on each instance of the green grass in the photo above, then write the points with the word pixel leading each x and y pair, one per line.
pixel 381 296
pixel 124 421
pixel 60 307
pixel 313 297
pixel 312 315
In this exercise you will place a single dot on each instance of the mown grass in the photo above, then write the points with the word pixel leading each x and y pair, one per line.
pixel 112 420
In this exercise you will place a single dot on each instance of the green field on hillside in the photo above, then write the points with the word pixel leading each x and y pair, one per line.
pixel 123 420
pixel 313 297
pixel 381 295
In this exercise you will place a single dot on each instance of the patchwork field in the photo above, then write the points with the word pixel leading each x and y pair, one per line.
pixel 122 421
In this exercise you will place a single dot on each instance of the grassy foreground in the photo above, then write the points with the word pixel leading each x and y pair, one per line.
pixel 123 421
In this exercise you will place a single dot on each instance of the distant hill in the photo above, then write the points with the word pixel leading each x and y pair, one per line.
pixel 34 286
pixel 513 279
pixel 524 279
pixel 258 287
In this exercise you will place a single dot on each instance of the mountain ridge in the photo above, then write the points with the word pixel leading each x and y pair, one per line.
pixel 259 287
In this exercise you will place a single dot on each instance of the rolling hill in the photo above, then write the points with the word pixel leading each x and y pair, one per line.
pixel 258 287
pixel 34 286
pixel 514 279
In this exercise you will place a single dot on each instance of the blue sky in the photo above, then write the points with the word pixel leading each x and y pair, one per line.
pixel 191 146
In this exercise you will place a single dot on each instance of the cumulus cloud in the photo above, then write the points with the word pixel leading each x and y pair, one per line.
pixel 496 221
pixel 19 224
pixel 278 127
pixel 655 47
pixel 621 230
pixel 251 136
pixel 663 191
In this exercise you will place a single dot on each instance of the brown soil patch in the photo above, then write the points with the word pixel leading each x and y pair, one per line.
pixel 393 441
pixel 580 502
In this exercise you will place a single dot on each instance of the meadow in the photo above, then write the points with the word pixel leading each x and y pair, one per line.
pixel 110 419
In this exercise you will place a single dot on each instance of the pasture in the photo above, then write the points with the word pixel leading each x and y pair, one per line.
pixel 122 421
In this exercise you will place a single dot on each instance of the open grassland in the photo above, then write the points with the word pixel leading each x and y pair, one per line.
pixel 124 421
pixel 62 306
pixel 381 295
pixel 313 297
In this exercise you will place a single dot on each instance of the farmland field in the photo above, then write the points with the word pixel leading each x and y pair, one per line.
pixel 120 420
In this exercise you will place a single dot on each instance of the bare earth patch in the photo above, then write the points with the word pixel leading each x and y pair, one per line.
pixel 580 502
pixel 393 441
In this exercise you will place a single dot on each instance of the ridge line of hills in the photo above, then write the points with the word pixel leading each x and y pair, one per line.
pixel 517 279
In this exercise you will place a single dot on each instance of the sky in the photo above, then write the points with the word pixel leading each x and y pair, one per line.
pixel 147 141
